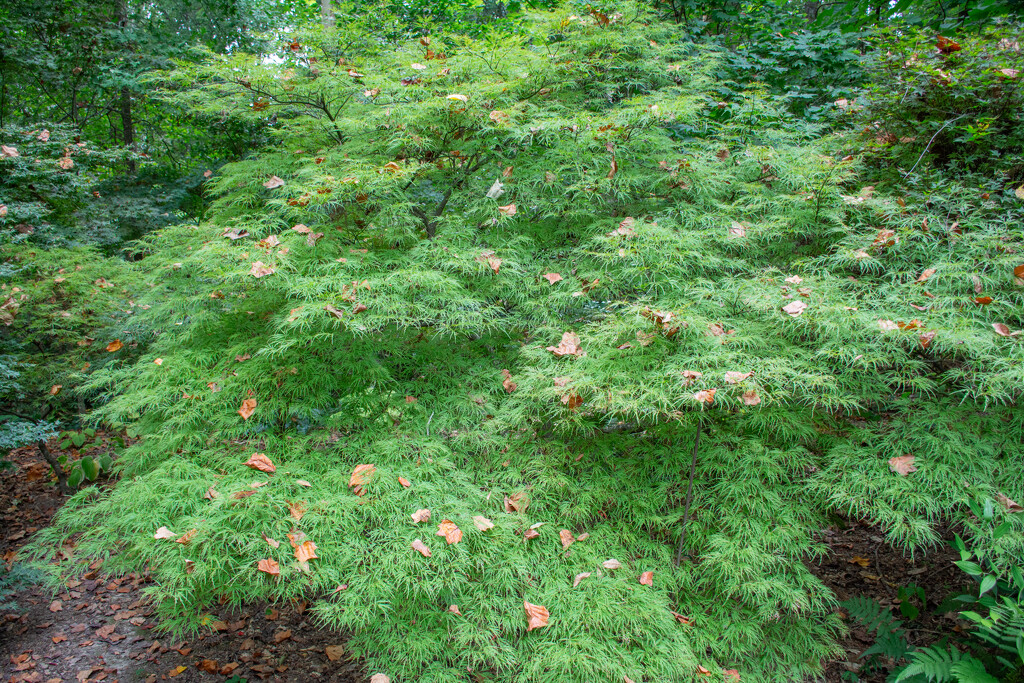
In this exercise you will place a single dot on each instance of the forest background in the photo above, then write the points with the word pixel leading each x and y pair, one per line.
pixel 585 319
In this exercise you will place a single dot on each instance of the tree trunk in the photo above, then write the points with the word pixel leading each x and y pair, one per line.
pixel 326 14
pixel 62 479
pixel 127 121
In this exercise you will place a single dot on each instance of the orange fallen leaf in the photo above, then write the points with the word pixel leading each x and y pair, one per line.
pixel 421 547
pixel 703 671
pixel 297 509
pixel 450 531
pixel 248 408
pixel 404 482
pixel 421 516
pixel 858 560
pixel 454 609
pixel 306 551
pixel 567 538
pixel 509 210
pixel 552 277
pixel 360 475
pixel 269 566
pixel 115 345
pixel 189 535
pixel 647 579
pixel 259 461
pixel 731 675
pixel 536 616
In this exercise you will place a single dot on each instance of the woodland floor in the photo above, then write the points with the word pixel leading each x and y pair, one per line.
pixel 101 629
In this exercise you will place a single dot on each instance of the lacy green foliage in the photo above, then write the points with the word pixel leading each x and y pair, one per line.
pixel 58 305
pixel 370 300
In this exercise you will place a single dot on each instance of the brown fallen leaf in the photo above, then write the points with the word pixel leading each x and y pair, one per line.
pixel 579 577
pixel 450 531
pixel 750 398
pixel 794 308
pixel 115 345
pixel 731 675
pixel 247 408
pixel 1001 329
pixel 552 277
pixel 334 652
pixel 517 502
pixel 260 269
pixel 454 609
pixel 422 515
pixel 273 183
pixel 259 461
pixel 1009 504
pixel 647 579
pixel 421 547
pixel 569 346
pixel 269 566
pixel 360 475
pixel 536 616
pixel 209 666
pixel 306 551
pixel 860 561
pixel 482 523
pixel 902 465
pixel 611 564
pixel 189 535
pixel 56 606
pixel 567 538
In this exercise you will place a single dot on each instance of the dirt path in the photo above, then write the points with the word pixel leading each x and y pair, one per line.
pixel 103 630
pixel 99 629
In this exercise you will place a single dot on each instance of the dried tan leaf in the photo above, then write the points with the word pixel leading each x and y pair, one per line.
pixel 360 475
pixel 163 533
pixel 536 616
pixel 580 577
pixel 647 579
pixel 248 408
pixel 482 523
pixel 794 308
pixel 306 551
pixel 450 531
pixel 421 516
pixel 259 461
pixel 733 377
pixel 273 183
pixel 569 346
pixel 611 564
pixel 269 566
pixel 567 538
pixel 517 502
pixel 555 277
pixel 421 547
pixel 902 464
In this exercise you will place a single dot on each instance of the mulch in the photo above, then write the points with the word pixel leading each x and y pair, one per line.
pixel 103 629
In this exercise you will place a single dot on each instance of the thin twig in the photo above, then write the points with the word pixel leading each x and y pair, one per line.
pixel 930 143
